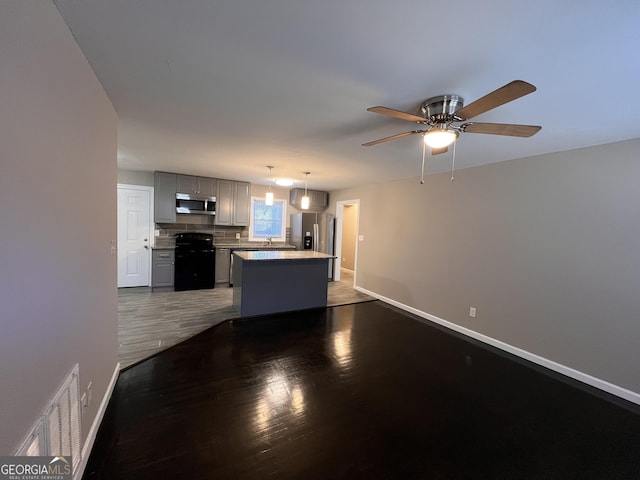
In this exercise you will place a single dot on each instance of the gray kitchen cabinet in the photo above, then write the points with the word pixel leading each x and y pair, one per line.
pixel 164 197
pixel 318 200
pixel 242 203
pixel 224 203
pixel 162 269
pixel 186 184
pixel 223 261
pixel 208 186
pixel 233 202
pixel 196 185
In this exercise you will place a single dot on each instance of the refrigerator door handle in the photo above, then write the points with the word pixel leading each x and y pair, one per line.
pixel 316 237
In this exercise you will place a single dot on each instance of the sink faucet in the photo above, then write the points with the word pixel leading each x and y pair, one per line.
pixel 269 241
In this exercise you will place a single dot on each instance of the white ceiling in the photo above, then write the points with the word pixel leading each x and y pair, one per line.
pixel 223 88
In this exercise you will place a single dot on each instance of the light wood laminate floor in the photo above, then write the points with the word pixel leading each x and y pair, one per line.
pixel 151 322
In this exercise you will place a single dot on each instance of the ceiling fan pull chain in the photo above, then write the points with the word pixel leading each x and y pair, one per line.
pixel 424 146
pixel 453 161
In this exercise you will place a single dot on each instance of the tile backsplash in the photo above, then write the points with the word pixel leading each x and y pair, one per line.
pixel 221 234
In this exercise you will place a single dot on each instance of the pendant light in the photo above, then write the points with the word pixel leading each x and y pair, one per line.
pixel 304 204
pixel 268 197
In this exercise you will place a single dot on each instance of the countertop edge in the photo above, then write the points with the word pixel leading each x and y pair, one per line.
pixel 282 255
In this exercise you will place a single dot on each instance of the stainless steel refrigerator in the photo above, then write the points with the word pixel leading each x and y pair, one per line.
pixel 313 231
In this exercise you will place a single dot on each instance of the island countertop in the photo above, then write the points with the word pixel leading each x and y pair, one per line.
pixel 269 255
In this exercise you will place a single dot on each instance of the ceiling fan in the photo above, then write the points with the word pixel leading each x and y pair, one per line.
pixel 440 114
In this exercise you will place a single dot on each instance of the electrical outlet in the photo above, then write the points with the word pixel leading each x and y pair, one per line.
pixel 472 312
pixel 237 236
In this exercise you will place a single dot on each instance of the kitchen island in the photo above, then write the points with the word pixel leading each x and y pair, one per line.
pixel 279 281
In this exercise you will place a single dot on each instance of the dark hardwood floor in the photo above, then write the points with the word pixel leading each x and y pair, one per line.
pixel 359 391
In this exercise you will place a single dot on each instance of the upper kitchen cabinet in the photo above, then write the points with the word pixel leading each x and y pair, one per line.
pixel 164 197
pixel 233 202
pixel 186 184
pixel 242 203
pixel 208 186
pixel 318 201
pixel 196 185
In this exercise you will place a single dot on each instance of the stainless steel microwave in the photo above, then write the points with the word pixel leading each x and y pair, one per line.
pixel 195 204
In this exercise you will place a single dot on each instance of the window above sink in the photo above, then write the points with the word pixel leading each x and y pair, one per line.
pixel 268 223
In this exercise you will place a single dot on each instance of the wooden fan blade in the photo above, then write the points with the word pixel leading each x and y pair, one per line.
pixel 505 94
pixel 501 129
pixel 438 151
pixel 390 112
pixel 392 137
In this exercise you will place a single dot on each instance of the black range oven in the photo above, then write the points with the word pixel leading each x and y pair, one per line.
pixel 195 261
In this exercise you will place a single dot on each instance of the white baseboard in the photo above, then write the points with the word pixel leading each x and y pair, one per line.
pixel 93 431
pixel 545 362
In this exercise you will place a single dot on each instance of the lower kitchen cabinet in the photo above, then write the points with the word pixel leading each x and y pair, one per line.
pixel 223 260
pixel 162 269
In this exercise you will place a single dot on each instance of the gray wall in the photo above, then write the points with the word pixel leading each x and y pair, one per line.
pixel 58 212
pixel 135 177
pixel 546 248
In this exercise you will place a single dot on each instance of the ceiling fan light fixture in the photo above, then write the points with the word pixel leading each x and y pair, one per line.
pixel 440 137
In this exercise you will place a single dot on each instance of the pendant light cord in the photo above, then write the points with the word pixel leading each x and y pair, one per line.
pixel 453 161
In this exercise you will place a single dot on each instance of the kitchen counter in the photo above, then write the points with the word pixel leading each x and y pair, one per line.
pixel 267 282
pixel 254 246
pixel 235 246
pixel 287 255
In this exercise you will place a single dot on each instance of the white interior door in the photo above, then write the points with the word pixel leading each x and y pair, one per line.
pixel 134 229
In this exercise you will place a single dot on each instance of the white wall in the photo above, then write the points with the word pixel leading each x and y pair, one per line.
pixel 546 248
pixel 58 216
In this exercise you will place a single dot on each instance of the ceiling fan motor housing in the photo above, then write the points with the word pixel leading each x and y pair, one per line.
pixel 441 108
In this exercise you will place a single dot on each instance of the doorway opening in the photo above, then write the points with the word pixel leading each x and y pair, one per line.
pixel 346 247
